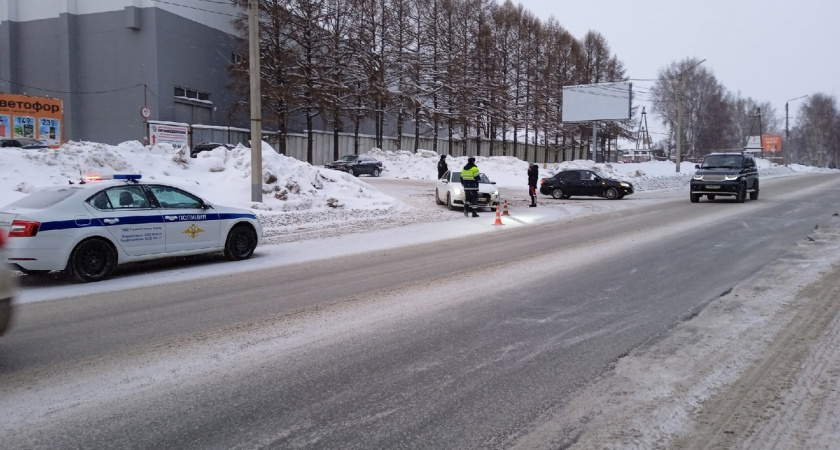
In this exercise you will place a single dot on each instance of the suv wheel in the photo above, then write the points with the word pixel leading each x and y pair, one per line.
pixel 695 198
pixel 742 193
pixel 754 193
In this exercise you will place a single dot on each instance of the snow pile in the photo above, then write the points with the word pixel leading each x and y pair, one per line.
pixel 220 175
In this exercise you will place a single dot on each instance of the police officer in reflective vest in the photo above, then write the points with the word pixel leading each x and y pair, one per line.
pixel 469 180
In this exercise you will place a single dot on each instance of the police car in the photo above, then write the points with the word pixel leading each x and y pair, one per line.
pixel 86 229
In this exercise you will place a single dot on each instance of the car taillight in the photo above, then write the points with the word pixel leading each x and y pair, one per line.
pixel 24 228
pixel 2 239
pixel 542 181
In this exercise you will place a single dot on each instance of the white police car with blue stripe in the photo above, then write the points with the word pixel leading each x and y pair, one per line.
pixel 87 229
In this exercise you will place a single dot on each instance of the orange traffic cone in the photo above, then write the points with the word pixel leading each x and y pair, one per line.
pixel 498 216
pixel 505 210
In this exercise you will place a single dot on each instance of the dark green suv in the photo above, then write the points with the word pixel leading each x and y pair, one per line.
pixel 725 174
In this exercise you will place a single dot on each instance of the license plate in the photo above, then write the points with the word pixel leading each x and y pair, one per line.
pixel 712 186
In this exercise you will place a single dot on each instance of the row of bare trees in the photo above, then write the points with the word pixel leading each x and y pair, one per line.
pixel 815 136
pixel 447 68
pixel 713 118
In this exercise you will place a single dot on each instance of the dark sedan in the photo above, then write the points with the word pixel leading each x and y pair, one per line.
pixel 586 183
pixel 357 165
pixel 24 143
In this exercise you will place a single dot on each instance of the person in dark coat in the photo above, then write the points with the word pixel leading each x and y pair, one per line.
pixel 533 176
pixel 442 167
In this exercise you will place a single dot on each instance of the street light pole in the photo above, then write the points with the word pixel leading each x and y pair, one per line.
pixel 256 104
pixel 679 113
pixel 786 144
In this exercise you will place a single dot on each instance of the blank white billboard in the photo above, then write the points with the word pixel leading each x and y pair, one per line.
pixel 601 101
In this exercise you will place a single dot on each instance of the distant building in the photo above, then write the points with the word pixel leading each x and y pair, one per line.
pixel 108 59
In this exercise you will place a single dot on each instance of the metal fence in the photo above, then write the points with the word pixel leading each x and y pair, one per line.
pixel 323 150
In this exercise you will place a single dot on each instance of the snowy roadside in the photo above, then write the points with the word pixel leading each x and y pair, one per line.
pixel 758 368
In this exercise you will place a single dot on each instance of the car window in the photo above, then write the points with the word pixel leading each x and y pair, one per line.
pixel 586 175
pixel 125 197
pixel 483 178
pixel 169 197
pixel 348 158
pixel 570 175
pixel 100 201
pixel 456 177
pixel 44 199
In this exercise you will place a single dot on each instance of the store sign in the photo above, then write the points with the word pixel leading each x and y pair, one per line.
pixel 177 135
pixel 31 117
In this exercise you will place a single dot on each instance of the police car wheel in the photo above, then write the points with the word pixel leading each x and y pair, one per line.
pixel 375 172
pixel 241 243
pixel 92 260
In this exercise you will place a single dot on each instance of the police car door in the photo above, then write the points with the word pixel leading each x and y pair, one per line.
pixel 189 224
pixel 135 225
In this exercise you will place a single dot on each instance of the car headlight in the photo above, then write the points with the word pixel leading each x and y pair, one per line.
pixel 627 185
pixel 495 193
pixel 731 177
pixel 698 177
pixel 457 191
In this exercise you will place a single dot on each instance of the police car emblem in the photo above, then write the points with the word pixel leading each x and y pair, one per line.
pixel 193 231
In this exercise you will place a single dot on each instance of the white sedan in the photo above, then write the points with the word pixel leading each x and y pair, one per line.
pixel 7 289
pixel 449 191
pixel 87 229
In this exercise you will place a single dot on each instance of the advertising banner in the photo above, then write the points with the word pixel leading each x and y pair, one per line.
pixel 177 135
pixel 772 143
pixel 31 117
pixel 5 126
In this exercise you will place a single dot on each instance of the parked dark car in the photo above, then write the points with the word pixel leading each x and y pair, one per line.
pixel 206 147
pixel 357 165
pixel 725 174
pixel 584 182
pixel 25 143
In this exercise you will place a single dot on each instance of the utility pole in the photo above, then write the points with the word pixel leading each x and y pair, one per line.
pixel 786 144
pixel 680 113
pixel 256 105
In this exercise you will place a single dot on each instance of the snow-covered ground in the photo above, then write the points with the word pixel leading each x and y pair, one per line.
pixel 316 213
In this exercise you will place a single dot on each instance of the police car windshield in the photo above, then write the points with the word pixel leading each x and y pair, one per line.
pixel 44 199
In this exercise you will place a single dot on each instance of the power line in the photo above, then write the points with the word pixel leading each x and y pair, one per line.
pixel 75 93
pixel 201 9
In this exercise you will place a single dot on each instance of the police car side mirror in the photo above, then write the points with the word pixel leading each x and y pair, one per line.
pixel 492 182
pixel 697 166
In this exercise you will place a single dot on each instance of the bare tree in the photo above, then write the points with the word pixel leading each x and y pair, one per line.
pixel 816 128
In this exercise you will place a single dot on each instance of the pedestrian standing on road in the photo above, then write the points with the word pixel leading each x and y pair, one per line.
pixel 469 180
pixel 533 176
pixel 442 167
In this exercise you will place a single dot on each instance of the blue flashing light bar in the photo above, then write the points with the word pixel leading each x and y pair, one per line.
pixel 126 176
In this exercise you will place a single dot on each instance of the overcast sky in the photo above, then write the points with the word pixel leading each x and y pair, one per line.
pixel 769 50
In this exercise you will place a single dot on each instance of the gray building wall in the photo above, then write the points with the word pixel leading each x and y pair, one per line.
pixel 106 66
